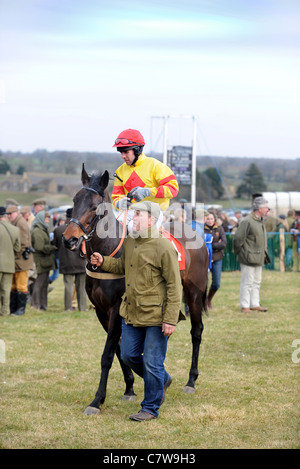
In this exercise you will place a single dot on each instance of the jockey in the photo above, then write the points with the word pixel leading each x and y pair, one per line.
pixel 140 177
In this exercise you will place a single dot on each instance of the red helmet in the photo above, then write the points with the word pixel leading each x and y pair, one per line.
pixel 129 138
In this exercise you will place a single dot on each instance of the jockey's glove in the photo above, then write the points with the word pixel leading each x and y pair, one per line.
pixel 123 204
pixel 140 193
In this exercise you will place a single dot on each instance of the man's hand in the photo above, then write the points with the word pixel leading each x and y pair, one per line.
pixel 96 259
pixel 168 329
pixel 140 193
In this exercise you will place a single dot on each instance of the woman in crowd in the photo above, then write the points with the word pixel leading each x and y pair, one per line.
pixel 43 257
pixel 218 245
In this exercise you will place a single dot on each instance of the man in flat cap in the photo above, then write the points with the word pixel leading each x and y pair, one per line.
pixel 10 244
pixel 150 305
pixel 39 205
pixel 23 263
pixel 250 245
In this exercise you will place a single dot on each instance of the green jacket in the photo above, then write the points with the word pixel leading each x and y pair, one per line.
pixel 152 278
pixel 44 251
pixel 250 242
pixel 10 244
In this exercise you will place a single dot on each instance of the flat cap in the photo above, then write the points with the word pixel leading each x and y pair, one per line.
pixel 25 209
pixel 2 211
pixel 147 206
pixel 39 202
pixel 11 209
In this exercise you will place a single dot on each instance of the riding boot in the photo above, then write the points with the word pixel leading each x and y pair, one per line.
pixel 13 302
pixel 210 296
pixel 22 300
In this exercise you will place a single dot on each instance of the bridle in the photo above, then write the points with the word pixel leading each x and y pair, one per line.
pixel 88 234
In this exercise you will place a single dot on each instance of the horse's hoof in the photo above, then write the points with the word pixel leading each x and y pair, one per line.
pixel 128 397
pixel 91 411
pixel 189 390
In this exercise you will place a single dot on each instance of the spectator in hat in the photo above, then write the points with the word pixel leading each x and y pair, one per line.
pixel 250 245
pixel 72 266
pixel 10 244
pixel 11 202
pixel 23 263
pixel 27 214
pixel 43 257
pixel 39 205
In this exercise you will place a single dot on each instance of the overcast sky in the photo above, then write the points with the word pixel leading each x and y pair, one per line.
pixel 75 73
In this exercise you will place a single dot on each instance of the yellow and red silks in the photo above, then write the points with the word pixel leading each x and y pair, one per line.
pixel 146 172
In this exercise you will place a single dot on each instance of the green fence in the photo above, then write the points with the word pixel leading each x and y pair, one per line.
pixel 282 249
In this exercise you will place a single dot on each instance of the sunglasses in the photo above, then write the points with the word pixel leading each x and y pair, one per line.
pixel 125 141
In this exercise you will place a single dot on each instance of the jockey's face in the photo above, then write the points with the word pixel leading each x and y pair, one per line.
pixel 128 156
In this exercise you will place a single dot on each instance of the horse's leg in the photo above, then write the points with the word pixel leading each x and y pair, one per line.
pixel 129 394
pixel 106 363
pixel 195 304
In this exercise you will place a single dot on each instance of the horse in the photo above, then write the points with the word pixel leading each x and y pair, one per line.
pixel 94 225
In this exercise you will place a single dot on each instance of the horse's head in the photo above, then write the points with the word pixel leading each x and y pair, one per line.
pixel 86 211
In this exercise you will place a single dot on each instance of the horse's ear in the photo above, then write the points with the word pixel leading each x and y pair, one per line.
pixel 85 179
pixel 104 180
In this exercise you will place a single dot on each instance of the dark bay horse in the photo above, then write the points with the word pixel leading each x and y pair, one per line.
pixel 94 223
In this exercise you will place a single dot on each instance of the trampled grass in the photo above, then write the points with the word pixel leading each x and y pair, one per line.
pixel 247 393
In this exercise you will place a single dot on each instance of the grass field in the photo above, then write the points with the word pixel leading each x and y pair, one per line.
pixel 247 393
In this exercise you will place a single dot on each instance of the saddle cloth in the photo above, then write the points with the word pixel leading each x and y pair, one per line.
pixel 178 246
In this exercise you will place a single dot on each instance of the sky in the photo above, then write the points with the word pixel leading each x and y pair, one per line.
pixel 75 73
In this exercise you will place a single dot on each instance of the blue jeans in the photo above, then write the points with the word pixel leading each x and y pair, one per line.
pixel 144 350
pixel 216 271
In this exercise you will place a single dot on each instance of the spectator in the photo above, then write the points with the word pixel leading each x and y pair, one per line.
pixel 180 215
pixel 290 218
pixel 27 214
pixel 233 224
pixel 223 217
pixel 61 221
pixel 44 259
pixel 150 310
pixel 10 244
pixel 198 223
pixel 238 215
pixel 23 263
pixel 39 205
pixel 72 266
pixel 219 242
pixel 250 245
pixel 282 223
pixel 295 230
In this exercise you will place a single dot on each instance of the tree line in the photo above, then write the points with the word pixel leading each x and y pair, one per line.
pixel 240 176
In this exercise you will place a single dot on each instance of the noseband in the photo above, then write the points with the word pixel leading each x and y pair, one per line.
pixel 87 234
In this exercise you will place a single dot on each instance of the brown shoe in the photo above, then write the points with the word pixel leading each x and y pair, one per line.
pixel 259 308
pixel 141 416
pixel 246 310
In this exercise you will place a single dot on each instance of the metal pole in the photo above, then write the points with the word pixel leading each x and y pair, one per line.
pixel 194 163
